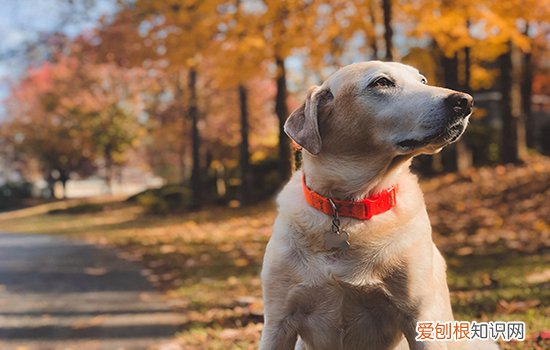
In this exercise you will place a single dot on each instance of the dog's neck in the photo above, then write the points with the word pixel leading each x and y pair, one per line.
pixel 351 178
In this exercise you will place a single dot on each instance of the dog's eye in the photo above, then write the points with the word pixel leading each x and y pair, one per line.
pixel 424 81
pixel 382 82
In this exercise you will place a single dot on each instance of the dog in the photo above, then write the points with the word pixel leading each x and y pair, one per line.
pixel 339 273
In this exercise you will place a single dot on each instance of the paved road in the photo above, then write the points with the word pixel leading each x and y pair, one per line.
pixel 57 294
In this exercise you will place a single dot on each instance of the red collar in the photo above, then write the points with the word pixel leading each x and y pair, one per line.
pixel 363 209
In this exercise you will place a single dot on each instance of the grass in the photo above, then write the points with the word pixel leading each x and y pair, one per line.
pixel 208 262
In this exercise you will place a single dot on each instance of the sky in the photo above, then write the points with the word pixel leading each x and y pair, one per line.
pixel 26 21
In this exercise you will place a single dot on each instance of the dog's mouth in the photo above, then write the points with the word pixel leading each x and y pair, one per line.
pixel 439 139
pixel 412 143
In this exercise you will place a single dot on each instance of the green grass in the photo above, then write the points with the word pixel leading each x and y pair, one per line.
pixel 502 287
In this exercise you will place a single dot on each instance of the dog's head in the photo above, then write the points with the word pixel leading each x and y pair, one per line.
pixel 381 107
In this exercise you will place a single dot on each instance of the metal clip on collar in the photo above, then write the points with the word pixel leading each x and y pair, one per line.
pixel 338 238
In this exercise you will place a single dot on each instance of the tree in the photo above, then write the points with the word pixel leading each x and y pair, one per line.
pixel 285 23
pixel 388 29
pixel 71 115
pixel 244 154
pixel 522 20
pixel 513 146
pixel 526 92
pixel 124 43
pixel 364 18
pixel 193 113
pixel 321 29
pixel 39 130
pixel 181 32
pixel 533 60
pixel 515 75
pixel 112 98
pixel 239 41
pixel 447 24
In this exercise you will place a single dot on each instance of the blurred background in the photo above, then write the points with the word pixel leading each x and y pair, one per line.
pixel 156 127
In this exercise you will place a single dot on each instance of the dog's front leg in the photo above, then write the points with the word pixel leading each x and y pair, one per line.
pixel 278 333
pixel 429 290
pixel 425 345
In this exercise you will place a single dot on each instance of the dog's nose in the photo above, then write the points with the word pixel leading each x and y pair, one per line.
pixel 460 103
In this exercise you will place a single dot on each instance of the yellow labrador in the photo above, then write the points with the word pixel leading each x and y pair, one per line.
pixel 332 282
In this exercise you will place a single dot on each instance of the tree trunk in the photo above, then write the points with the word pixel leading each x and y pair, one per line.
pixel 526 92
pixel 181 161
pixel 457 157
pixel 183 123
pixel 64 185
pixel 450 76
pixel 467 70
pixel 244 159
pixel 508 149
pixel 108 154
pixel 464 156
pixel 371 31
pixel 209 174
pixel 50 180
pixel 388 29
pixel 450 71
pixel 511 138
pixel 193 112
pixel 517 60
pixel 281 109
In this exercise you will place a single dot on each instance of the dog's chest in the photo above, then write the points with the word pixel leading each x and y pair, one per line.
pixel 336 314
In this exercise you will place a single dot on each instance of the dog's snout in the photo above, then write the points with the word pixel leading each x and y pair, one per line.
pixel 460 103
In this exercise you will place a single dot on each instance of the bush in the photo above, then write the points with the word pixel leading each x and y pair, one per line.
pixel 12 194
pixel 165 200
pixel 86 208
pixel 484 140
pixel 264 183
pixel 266 180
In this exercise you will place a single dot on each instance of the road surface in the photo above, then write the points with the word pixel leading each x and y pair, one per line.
pixel 59 294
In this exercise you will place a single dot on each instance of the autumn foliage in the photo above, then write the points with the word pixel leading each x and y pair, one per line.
pixel 197 91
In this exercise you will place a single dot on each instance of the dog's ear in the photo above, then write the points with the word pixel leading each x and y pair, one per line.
pixel 302 125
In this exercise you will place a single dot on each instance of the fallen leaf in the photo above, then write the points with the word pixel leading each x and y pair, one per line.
pixel 95 271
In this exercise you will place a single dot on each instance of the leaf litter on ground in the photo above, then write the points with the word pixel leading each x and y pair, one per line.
pixel 492 225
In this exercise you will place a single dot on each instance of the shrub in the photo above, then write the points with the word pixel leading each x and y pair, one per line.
pixel 165 200
pixel 13 193
pixel 86 208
